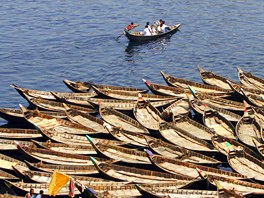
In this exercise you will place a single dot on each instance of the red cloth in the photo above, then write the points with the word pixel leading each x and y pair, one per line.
pixel 71 188
pixel 129 27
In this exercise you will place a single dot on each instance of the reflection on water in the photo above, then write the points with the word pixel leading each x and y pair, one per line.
pixel 135 48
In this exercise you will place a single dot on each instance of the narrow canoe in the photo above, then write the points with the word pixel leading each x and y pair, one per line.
pixel 249 80
pixel 5 175
pixel 183 138
pixel 179 107
pixel 255 99
pixel 8 144
pixel 138 37
pixel 7 163
pixel 220 125
pixel 210 78
pixel 77 86
pixel 18 133
pixel 179 82
pixel 179 167
pixel 137 175
pixel 16 116
pixel 245 164
pixel 67 148
pixel 118 153
pixel 66 169
pixel 46 122
pixel 119 119
pixel 176 152
pixel 147 115
pixel 259 146
pixel 121 95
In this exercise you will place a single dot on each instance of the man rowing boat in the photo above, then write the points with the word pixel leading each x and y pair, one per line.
pixel 131 26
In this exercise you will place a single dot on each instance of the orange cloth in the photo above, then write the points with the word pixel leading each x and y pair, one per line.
pixel 58 180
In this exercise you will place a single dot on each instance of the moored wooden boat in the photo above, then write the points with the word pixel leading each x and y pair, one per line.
pixel 245 164
pixel 179 107
pixel 257 100
pixel 225 193
pixel 198 106
pixel 8 144
pixel 183 138
pixel 85 120
pixel 54 157
pixel 176 152
pixel 66 169
pixel 5 175
pixel 46 122
pixel 23 188
pixel 66 148
pixel 247 128
pixel 147 115
pixel 220 125
pixel 176 193
pixel 138 37
pixel 18 133
pixel 6 195
pixel 210 78
pixel 249 80
pixel 124 104
pixel 193 127
pixel 129 96
pixel 259 146
pixel 179 82
pixel 119 119
pixel 77 86
pixel 219 143
pixel 47 95
pixel 240 186
pixel 7 163
pixel 16 116
pixel 179 167
pixel 137 175
pixel 118 153
pixel 126 136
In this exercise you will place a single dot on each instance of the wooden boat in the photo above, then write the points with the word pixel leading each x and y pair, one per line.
pixel 199 107
pixel 147 115
pixel 119 153
pixel 257 100
pixel 240 186
pixel 46 122
pixel 221 102
pixel 5 175
pixel 196 129
pixel 16 116
pixel 45 177
pixel 126 136
pixel 85 120
pixel 6 144
pixel 7 163
pixel 66 169
pixel 49 105
pixel 77 86
pixel 225 193
pixel 179 107
pixel 18 133
pixel 179 167
pixel 72 139
pixel 179 82
pixel 137 175
pixel 54 157
pixel 259 146
pixel 6 195
pixel 247 128
pixel 220 125
pixel 245 164
pixel 176 193
pixel 23 188
pixel 219 143
pixel 212 79
pixel 47 95
pixel 183 138
pixel 249 80
pixel 176 152
pixel 66 148
pixel 124 104
pixel 119 119
pixel 121 95
pixel 138 37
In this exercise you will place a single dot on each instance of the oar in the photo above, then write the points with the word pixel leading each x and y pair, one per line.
pixel 123 33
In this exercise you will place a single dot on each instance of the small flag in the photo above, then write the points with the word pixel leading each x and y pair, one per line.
pixel 58 180
pixel 140 97
pixel 71 188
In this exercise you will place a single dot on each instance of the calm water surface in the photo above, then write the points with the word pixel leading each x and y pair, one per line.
pixel 44 42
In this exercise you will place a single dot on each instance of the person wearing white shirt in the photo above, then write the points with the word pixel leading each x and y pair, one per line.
pixel 146 31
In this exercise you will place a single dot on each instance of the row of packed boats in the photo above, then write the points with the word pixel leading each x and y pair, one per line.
pixel 124 142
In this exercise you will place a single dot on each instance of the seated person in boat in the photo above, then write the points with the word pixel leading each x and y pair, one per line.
pixel 131 26
pixel 154 30
pixel 146 31
pixel 165 28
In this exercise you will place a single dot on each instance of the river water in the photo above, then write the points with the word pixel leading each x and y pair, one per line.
pixel 44 42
